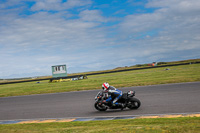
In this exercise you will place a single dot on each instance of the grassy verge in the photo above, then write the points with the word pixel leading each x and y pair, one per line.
pixel 159 125
pixel 138 66
pixel 175 74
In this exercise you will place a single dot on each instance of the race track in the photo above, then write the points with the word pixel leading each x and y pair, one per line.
pixel 156 99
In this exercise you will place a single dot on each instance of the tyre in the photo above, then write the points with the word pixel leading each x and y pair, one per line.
pixel 134 103
pixel 100 108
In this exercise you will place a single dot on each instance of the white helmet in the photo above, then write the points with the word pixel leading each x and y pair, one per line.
pixel 105 86
pixel 131 93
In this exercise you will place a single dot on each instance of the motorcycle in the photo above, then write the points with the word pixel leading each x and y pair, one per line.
pixel 127 99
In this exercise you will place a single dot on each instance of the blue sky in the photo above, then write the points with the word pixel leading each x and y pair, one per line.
pixel 90 35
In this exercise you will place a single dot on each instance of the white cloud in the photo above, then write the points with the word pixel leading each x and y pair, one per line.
pixel 171 28
pixel 92 15
pixel 86 40
pixel 45 39
pixel 47 5
pixel 58 5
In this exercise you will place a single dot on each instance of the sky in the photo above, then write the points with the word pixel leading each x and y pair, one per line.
pixel 92 35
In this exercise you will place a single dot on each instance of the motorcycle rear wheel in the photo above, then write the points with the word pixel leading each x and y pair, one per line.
pixel 134 103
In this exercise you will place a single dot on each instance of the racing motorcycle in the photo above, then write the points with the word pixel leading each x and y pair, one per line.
pixel 127 99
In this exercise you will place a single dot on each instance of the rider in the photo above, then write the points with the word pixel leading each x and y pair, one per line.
pixel 114 93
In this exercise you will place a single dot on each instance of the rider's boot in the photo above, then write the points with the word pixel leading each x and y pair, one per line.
pixel 121 105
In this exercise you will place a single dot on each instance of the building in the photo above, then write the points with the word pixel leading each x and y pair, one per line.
pixel 59 71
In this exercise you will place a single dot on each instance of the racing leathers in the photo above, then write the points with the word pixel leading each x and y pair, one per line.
pixel 115 94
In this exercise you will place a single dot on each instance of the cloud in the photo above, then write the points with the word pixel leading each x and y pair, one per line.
pixel 45 39
pixel 58 5
pixel 40 33
pixel 176 5
pixel 92 15
pixel 171 28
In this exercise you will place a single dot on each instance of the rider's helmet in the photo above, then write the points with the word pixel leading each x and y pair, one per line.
pixel 105 86
pixel 131 93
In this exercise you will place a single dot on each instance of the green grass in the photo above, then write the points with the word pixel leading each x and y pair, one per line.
pixel 176 74
pixel 159 125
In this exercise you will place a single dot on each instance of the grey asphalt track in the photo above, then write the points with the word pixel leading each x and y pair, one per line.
pixel 155 99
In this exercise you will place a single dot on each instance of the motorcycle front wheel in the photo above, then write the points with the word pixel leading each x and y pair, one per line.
pixel 134 103
pixel 100 108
